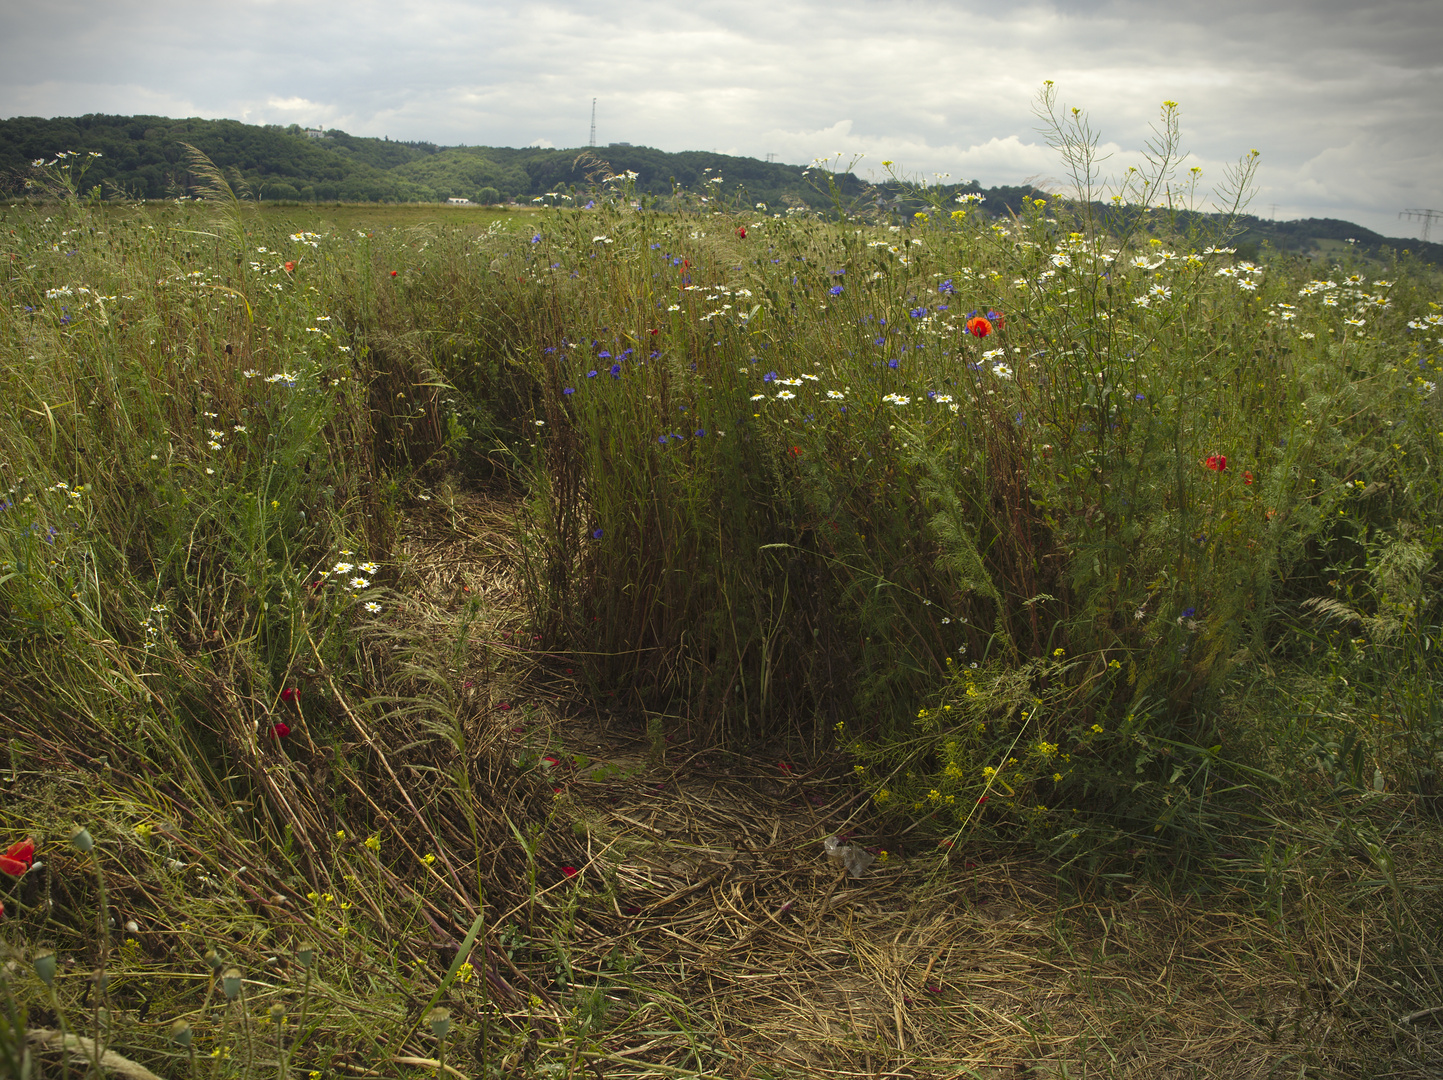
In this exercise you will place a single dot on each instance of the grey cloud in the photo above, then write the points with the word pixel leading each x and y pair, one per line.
pixel 1340 97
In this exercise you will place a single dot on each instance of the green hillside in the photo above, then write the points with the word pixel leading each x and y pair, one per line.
pixel 145 157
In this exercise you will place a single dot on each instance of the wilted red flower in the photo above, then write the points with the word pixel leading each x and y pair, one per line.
pixel 290 693
pixel 18 859
pixel 569 871
pixel 279 730
pixel 655 331
pixel 742 232
pixel 504 706
pixel 290 266
pixel 977 326
pixel 1217 462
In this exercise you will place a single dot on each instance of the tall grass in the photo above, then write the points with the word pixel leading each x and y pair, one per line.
pixel 1066 527
pixel 782 474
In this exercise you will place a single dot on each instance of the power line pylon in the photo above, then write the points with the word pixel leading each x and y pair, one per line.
pixel 1427 217
pixel 592 141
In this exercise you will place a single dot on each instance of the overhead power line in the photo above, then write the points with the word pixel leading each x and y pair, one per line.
pixel 1427 217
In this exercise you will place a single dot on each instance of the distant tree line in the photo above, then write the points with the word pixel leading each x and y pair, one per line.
pixel 144 157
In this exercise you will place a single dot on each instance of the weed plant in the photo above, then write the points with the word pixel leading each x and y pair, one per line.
pixel 1015 507
pixel 1069 528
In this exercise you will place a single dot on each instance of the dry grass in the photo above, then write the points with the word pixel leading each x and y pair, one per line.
pixel 703 933
pixel 727 945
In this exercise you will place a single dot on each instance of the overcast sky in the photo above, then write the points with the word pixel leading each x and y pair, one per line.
pixel 1341 98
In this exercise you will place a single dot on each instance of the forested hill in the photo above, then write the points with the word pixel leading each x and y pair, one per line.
pixel 144 157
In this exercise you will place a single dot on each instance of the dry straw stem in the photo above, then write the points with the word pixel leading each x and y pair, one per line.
pixel 82 1049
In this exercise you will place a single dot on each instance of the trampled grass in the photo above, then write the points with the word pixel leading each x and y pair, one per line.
pixel 492 613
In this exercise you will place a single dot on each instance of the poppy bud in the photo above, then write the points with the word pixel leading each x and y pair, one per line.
pixel 213 959
pixel 83 840
pixel 440 1020
pixel 45 968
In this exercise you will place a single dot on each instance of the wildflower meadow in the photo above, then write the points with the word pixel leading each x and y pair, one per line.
pixel 436 646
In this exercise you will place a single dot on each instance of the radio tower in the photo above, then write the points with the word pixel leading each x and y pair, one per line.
pixel 592 140
pixel 1425 216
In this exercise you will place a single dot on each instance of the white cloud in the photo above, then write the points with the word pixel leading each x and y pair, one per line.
pixel 1339 97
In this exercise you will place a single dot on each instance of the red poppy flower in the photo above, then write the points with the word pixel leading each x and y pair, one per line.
pixel 394 272
pixel 505 706
pixel 796 451
pixel 18 859
pixel 977 326
pixel 290 693
pixel 1247 477
pixel 785 766
pixel 741 232
pixel 1217 462
pixel 569 871
pixel 290 266
pixel 981 799
pixel 279 730
pixel 653 333
pixel 551 760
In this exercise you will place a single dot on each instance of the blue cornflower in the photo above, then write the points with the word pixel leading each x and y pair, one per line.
pixel 945 287
pixel 596 534
pixel 879 341
pixel 590 204
pixel 1189 613
pixel 917 312
pixel 1139 397
pixel 655 246
pixel 616 371
pixel 569 391
pixel 661 439
pixel 835 290
pixel 591 374
pixel 769 377
pixel 536 239
pixel 548 350
pixel 603 355
pixel 892 363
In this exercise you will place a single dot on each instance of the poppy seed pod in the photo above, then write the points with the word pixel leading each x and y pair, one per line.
pixel 440 1022
pixel 213 959
pixel 306 955
pixel 230 982
pixel 45 968
pixel 83 840
pixel 180 1033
